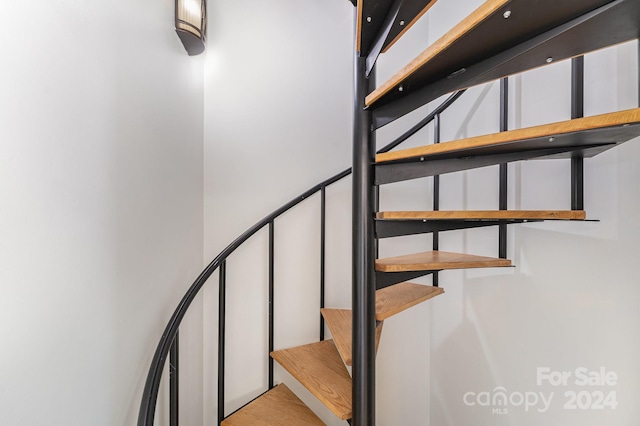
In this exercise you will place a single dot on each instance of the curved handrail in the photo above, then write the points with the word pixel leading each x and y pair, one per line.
pixel 152 384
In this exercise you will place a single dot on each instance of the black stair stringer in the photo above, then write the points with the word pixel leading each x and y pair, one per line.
pixel 437 165
pixel 386 279
pixel 386 228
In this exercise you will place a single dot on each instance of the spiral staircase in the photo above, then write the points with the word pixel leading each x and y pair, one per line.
pixel 499 39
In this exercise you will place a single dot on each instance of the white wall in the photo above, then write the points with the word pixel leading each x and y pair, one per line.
pixel 570 301
pixel 277 121
pixel 101 211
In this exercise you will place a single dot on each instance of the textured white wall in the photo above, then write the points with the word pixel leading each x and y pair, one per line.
pixel 101 211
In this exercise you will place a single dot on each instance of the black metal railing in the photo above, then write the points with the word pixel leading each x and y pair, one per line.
pixel 169 341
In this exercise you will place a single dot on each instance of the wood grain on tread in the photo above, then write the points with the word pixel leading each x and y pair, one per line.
pixel 320 369
pixel 613 119
pixel 483 12
pixel 436 261
pixel 339 322
pixel 485 214
pixel 399 297
pixel 278 407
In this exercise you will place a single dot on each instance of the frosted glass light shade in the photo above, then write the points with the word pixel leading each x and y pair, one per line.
pixel 191 18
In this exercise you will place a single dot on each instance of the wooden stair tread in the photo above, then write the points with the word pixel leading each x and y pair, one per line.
pixel 277 407
pixel 612 127
pixel 399 297
pixel 436 261
pixel 410 12
pixel 486 46
pixel 456 33
pixel 484 215
pixel 339 322
pixel 320 369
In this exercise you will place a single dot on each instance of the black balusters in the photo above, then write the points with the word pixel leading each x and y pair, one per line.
pixel 222 304
pixel 323 233
pixel 577 111
pixel 271 300
pixel 174 381
pixel 504 168
pixel 436 195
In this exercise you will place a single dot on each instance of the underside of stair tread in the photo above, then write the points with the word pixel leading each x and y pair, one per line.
pixel 484 215
pixel 371 17
pixel 399 297
pixel 437 261
pixel 610 128
pixel 505 37
pixel 339 322
pixel 319 367
pixel 277 407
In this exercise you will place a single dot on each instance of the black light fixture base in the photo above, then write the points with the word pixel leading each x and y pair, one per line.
pixel 194 45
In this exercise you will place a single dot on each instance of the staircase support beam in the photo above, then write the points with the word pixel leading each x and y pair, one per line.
pixel 363 282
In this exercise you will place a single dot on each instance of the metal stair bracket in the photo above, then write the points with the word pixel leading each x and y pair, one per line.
pixel 386 279
pixel 379 43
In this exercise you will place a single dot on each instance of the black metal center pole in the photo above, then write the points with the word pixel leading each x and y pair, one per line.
pixel 363 280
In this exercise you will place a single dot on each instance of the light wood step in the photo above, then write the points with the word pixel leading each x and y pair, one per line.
pixel 607 128
pixel 484 215
pixel 371 16
pixel 399 297
pixel 401 223
pixel 505 37
pixel 437 261
pixel 320 369
pixel 277 407
pixel 339 322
